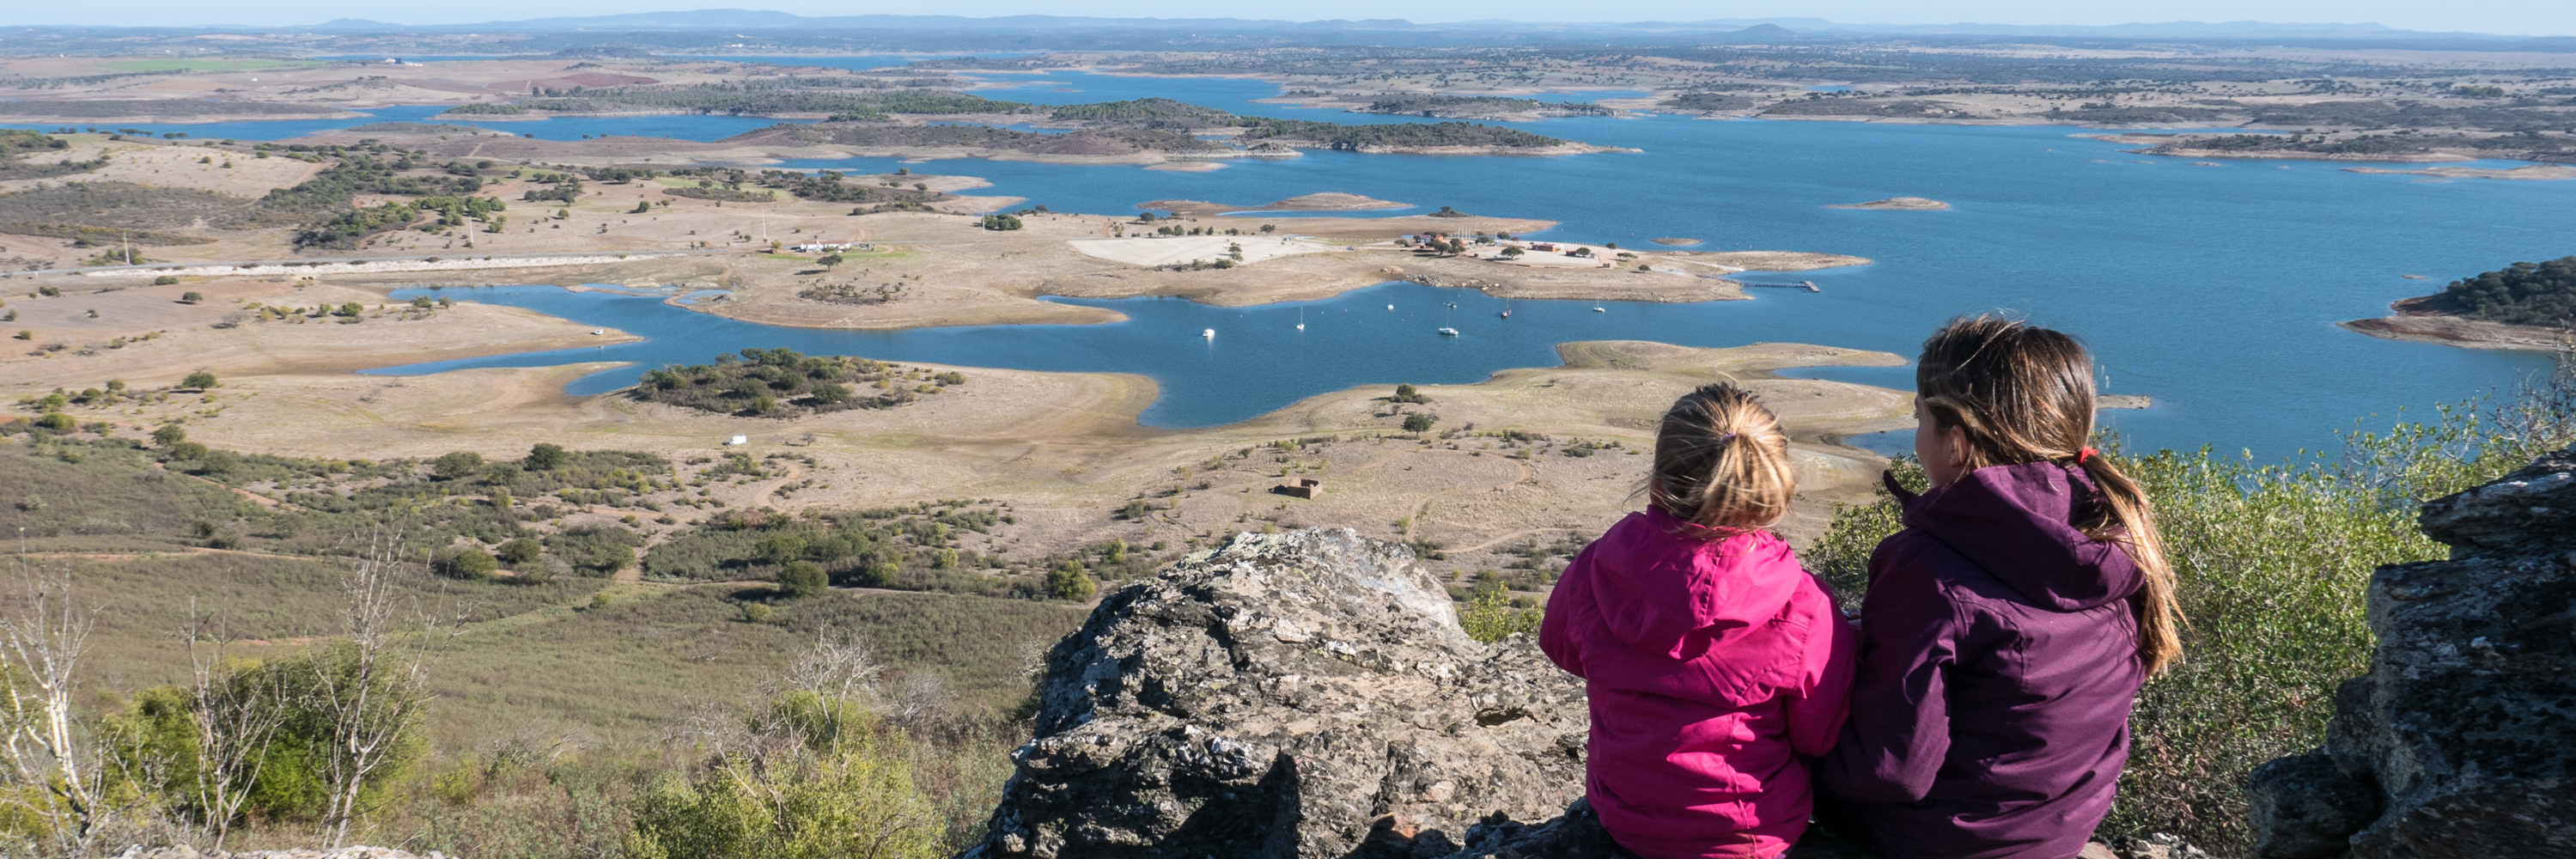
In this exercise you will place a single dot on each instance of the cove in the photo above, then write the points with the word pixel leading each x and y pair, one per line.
pixel 1258 361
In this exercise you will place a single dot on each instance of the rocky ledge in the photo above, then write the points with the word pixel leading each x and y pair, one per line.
pixel 1305 694
pixel 2461 741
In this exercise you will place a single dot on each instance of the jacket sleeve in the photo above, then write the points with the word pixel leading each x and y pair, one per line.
pixel 1899 731
pixel 1571 596
pixel 1833 654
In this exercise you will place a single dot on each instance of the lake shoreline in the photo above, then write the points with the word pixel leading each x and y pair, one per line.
pixel 2415 321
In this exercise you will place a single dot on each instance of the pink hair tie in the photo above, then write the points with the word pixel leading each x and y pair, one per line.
pixel 2085 454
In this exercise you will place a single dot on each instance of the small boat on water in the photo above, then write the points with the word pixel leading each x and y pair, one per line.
pixel 1301 320
pixel 1390 307
pixel 1448 332
pixel 1209 334
pixel 1507 313
pixel 1599 310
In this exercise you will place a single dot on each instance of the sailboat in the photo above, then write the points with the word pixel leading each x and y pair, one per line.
pixel 1446 331
pixel 1209 334
pixel 1301 319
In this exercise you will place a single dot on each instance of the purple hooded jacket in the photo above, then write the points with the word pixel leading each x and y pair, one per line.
pixel 1999 660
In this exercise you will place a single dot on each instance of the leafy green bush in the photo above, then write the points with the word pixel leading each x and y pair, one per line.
pixel 2273 561
pixel 520 551
pixel 842 790
pixel 469 563
pixel 1070 582
pixel 597 549
pixel 800 579
pixel 1490 617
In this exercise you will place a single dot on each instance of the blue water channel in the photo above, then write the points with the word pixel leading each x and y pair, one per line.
pixel 2214 289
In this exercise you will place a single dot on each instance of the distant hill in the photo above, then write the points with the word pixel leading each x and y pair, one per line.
pixel 1722 30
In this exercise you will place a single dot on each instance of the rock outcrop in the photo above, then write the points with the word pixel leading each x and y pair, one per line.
pixel 1305 694
pixel 2461 741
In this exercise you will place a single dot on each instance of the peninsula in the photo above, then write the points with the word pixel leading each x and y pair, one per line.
pixel 2524 306
pixel 392 204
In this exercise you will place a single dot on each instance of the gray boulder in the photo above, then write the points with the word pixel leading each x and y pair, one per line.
pixel 1305 694
pixel 2461 741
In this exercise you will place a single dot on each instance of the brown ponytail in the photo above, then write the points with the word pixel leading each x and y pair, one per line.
pixel 1722 462
pixel 2025 394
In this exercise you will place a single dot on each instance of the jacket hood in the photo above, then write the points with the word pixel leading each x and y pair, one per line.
pixel 2016 522
pixel 1665 586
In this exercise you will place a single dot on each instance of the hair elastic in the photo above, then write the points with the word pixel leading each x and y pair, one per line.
pixel 2085 454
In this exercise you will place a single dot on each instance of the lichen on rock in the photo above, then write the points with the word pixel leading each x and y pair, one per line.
pixel 2461 741
pixel 1304 694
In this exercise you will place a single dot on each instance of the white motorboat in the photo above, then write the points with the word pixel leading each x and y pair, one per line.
pixel 1448 332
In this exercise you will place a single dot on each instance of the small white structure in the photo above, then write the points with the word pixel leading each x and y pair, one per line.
pixel 822 247
pixel 738 441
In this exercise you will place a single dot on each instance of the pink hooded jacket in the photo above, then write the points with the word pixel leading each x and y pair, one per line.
pixel 1711 667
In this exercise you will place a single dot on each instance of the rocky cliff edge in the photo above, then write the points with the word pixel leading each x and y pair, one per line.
pixel 2461 741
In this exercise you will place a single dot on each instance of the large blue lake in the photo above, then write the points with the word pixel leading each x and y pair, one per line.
pixel 2213 289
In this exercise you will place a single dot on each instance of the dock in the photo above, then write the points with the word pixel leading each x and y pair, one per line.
pixel 1807 285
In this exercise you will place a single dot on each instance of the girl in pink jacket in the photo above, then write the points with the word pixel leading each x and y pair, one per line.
pixel 1714 663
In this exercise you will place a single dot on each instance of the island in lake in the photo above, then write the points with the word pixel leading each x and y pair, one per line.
pixel 2526 306
pixel 1898 204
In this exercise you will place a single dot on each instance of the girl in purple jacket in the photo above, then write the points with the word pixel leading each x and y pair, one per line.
pixel 1715 665
pixel 2008 627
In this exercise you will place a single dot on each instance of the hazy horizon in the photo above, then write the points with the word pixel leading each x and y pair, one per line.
pixel 2490 17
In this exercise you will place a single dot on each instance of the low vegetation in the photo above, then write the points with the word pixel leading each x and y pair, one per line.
pixel 1478 106
pixel 366 171
pixel 22 156
pixel 1329 135
pixel 828 186
pixel 347 229
pixel 755 98
pixel 786 383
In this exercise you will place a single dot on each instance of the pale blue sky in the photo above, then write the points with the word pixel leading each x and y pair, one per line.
pixel 2529 17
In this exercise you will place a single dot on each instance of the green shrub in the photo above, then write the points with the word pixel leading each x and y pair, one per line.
pixel 1070 582
pixel 545 457
pixel 598 549
pixel 1490 617
pixel 521 551
pixel 469 563
pixel 198 381
pixel 844 792
pixel 457 466
pixel 800 579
